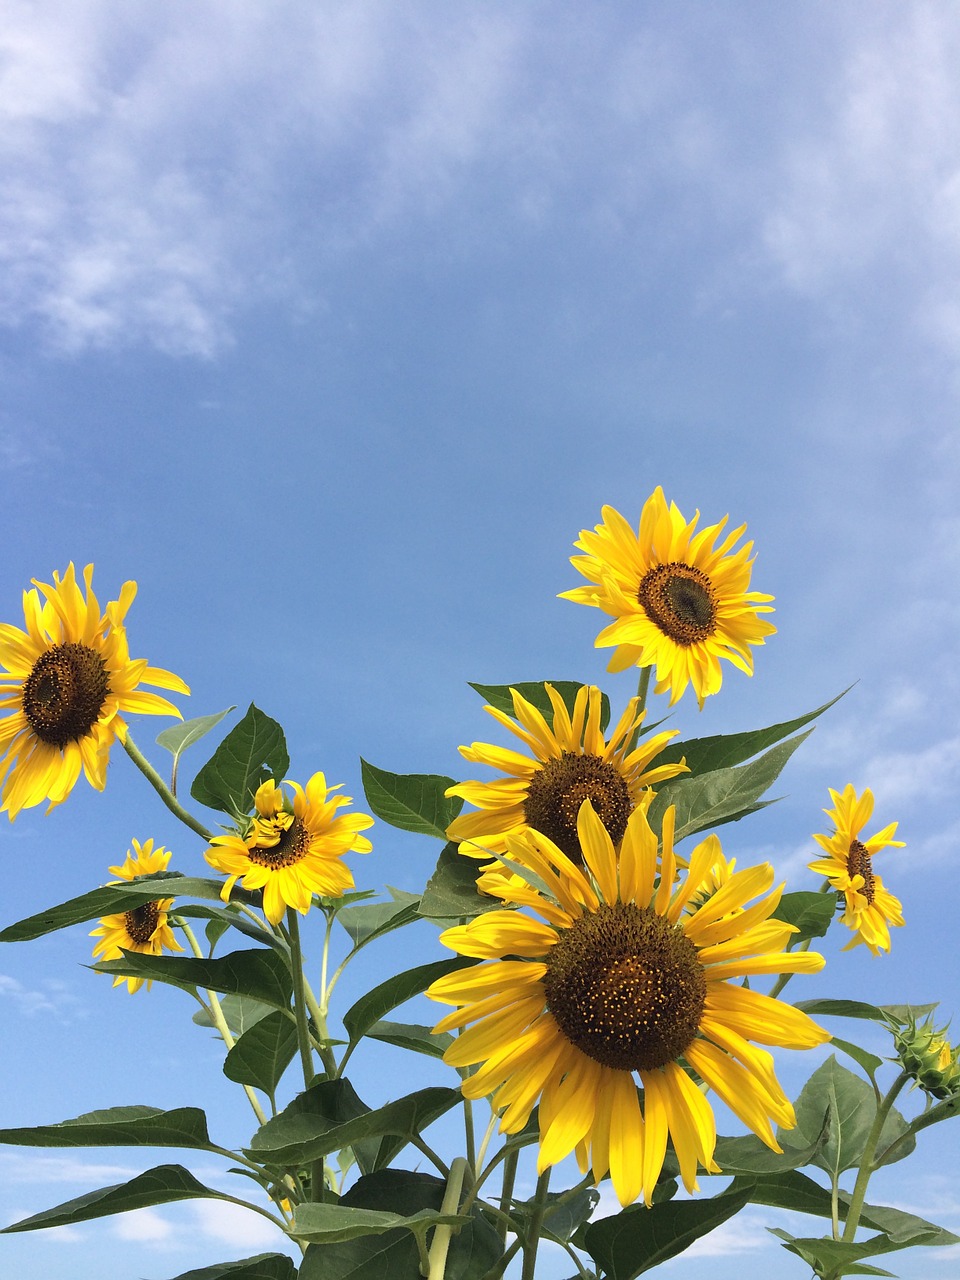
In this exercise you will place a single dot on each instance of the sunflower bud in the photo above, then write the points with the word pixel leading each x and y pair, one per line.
pixel 928 1056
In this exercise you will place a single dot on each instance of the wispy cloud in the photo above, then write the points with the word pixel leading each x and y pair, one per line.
pixel 50 997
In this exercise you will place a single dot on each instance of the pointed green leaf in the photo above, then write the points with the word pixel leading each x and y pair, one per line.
pixel 257 972
pixel 253 751
pixel 451 892
pixel 849 1105
pixel 826 1255
pixel 723 795
pixel 811 913
pixel 374 919
pixel 162 1185
pixel 908 1013
pixel 326 1105
pixel 411 801
pixel 263 1266
pixel 638 1239
pixel 230 917
pixel 180 736
pixel 843 1009
pixel 262 1054
pixel 119 1127
pixel 563 1214
pixel 869 1061
pixel 371 1007
pixel 334 1223
pixel 409 1035
pixel 240 1013
pixel 748 1155
pixel 534 691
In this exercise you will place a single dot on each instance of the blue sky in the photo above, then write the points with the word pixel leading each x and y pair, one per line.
pixel 332 325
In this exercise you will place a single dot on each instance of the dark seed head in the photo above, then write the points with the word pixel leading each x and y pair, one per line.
pixel 559 788
pixel 64 693
pixel 859 864
pixel 680 600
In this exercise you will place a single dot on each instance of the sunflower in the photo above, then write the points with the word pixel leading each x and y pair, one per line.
pixel 571 762
pixel 870 907
pixel 143 928
pixel 68 678
pixel 294 848
pixel 626 974
pixel 680 601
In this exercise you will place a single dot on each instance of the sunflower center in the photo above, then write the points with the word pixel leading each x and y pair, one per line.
pixel 681 601
pixel 141 922
pixel 64 693
pixel 859 864
pixel 287 852
pixel 559 788
pixel 626 987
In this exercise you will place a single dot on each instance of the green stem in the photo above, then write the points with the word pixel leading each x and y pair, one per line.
pixel 470 1137
pixel 443 1233
pixel 867 1167
pixel 510 1163
pixel 643 684
pixel 162 790
pixel 501 1264
pixel 299 1002
pixel 536 1223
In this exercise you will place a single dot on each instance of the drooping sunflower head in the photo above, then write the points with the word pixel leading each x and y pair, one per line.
pixel 630 975
pixel 143 928
pixel 869 907
pixel 293 847
pixel 680 602
pixel 570 762
pixel 67 681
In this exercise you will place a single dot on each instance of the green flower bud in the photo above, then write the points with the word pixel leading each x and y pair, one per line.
pixel 926 1054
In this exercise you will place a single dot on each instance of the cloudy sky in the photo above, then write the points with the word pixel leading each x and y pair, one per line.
pixel 332 324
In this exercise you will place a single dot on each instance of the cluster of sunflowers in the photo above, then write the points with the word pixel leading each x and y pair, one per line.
pixel 601 978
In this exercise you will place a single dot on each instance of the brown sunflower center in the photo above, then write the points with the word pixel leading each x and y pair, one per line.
pixel 626 987
pixel 859 864
pixel 141 922
pixel 64 693
pixel 681 601
pixel 290 848
pixel 559 788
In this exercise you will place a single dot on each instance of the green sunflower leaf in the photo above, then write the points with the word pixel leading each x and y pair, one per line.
pixel 843 1009
pixel 258 973
pixel 240 1013
pixel 869 1061
pixel 251 753
pixel 180 736
pixel 371 1007
pixel 263 1266
pixel 162 1185
pixel 230 918
pixel 847 1104
pixel 639 1239
pixel 411 801
pixel 184 1127
pixel 451 892
pixel 723 751
pixel 412 1036
pixel 812 913
pixel 535 692
pixel 334 1224
pixel 826 1255
pixel 722 795
pixel 262 1054
pixel 112 899
pixel 372 920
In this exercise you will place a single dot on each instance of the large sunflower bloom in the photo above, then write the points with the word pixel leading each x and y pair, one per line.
pixel 67 680
pixel 870 908
pixel 293 849
pixel 143 928
pixel 680 601
pixel 571 762
pixel 627 973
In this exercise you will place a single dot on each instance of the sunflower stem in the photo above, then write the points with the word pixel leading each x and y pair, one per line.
pixel 450 1205
pixel 643 685
pixel 532 1241
pixel 161 788
pixel 867 1167
pixel 299 1000
pixel 511 1160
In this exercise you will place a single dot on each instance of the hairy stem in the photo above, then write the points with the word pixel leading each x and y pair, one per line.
pixel 867 1167
pixel 450 1205
pixel 161 788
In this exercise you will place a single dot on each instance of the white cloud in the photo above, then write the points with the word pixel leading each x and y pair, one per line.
pixel 232 1224
pixel 143 1225
pixel 52 996
pixel 18 1167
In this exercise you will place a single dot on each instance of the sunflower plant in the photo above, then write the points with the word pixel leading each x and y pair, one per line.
pixel 609 982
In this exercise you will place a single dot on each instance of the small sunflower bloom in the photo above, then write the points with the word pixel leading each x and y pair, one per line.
pixel 680 602
pixel 67 681
pixel 570 761
pixel 144 928
pixel 870 908
pixel 627 977
pixel 294 847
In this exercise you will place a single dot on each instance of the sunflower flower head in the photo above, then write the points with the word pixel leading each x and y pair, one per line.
pixel 569 761
pixel 869 907
pixel 294 847
pixel 66 683
pixel 144 928
pixel 616 974
pixel 680 601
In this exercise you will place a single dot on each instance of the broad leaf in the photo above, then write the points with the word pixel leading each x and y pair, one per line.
pixel 723 795
pixel 162 1185
pixel 230 918
pixel 326 1105
pixel 409 1035
pixel 849 1105
pixel 253 751
pixel 748 1155
pixel 826 1255
pixel 180 736
pixel 258 973
pixel 240 1013
pixel 811 913
pixel 451 892
pixel 334 1223
pixel 119 1127
pixel 372 920
pixel 534 691
pixel 263 1266
pixel 371 1007
pixel 411 801
pixel 262 1054
pixel 563 1214
pixel 638 1239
